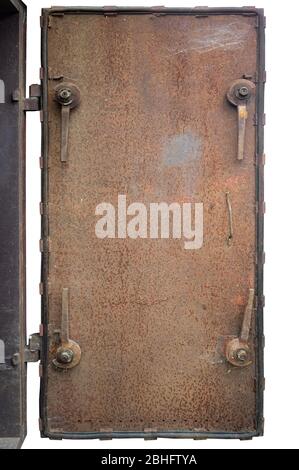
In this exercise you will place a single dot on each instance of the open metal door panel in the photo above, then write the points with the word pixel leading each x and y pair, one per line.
pixel 12 224
pixel 143 337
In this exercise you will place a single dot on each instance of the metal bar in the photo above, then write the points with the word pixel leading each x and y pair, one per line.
pixel 149 10
pixel 65 120
pixel 244 336
pixel 230 219
pixel 242 117
pixel 65 316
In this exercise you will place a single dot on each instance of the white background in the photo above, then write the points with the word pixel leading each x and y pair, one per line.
pixel 281 237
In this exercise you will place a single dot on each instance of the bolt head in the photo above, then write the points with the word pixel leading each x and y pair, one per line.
pixel 65 356
pixel 241 355
pixel 243 91
pixel 65 95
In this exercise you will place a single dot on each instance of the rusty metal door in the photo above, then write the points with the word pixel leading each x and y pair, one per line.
pixel 152 331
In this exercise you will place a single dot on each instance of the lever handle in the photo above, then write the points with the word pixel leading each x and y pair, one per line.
pixel 64 331
pixel 239 94
pixel 242 117
pixel 245 330
pixel 237 350
pixel 68 353
pixel 68 96
pixel 65 122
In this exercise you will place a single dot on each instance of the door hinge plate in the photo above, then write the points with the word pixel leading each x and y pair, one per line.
pixel 31 351
pixel 33 103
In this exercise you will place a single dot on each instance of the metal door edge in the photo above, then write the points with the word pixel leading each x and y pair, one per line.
pixel 260 121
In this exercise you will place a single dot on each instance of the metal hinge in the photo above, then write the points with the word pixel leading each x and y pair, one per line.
pixel 31 351
pixel 33 103
pixel 259 120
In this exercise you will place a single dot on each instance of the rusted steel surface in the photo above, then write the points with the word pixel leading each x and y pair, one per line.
pixel 12 225
pixel 154 123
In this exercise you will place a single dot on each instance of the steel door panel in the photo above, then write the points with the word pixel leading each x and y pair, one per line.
pixel 12 225
pixel 150 317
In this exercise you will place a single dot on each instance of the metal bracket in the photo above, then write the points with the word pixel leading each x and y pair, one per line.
pixel 33 103
pixel 31 351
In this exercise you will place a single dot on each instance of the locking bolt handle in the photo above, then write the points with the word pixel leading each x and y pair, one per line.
pixel 245 330
pixel 68 353
pixel 237 350
pixel 68 96
pixel 238 95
